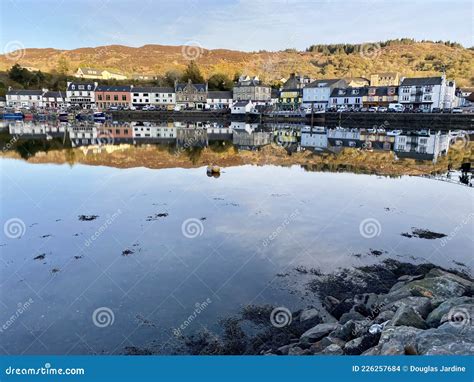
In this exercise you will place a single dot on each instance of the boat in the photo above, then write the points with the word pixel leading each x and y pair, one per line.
pixel 17 116
pixel 98 116
pixel 63 117
pixel 213 169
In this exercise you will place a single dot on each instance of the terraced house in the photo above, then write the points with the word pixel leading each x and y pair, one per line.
pixel 251 89
pixel 291 93
pixel 191 95
pixel 317 93
pixel 160 97
pixel 107 96
pixel 81 94
pixel 25 98
pixel 381 96
pixel 426 93
pixel 349 97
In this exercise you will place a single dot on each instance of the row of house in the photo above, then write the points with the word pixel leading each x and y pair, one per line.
pixel 382 89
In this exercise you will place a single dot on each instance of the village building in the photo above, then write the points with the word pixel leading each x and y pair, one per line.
pixel 317 93
pixel 160 97
pixel 426 93
pixel 25 98
pixel 242 107
pixel 314 137
pixel 385 79
pixel 349 97
pixel 55 99
pixel 107 96
pixel 380 96
pixel 93 73
pixel 219 99
pixel 81 94
pixel 251 89
pixel 422 145
pixel 191 95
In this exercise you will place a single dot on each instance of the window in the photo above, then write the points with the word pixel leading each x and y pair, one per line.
pixel 124 97
pixel 346 100
pixel 99 97
pixel 357 100
pixel 115 97
pixel 107 97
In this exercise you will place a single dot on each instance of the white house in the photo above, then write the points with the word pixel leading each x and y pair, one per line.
pixel 350 97
pixel 242 107
pixel 81 94
pixel 25 98
pixel 162 97
pixel 421 144
pixel 317 93
pixel 55 99
pixel 219 99
pixel 315 137
pixel 426 93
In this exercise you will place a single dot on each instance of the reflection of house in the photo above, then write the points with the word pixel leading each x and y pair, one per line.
pixel 25 98
pixel 247 136
pixel 381 95
pixel 107 96
pixel 116 131
pixel 251 89
pixel 191 95
pixel 377 140
pixel 427 93
pixel 55 99
pixel 317 93
pixel 162 97
pixel 344 137
pixel 242 107
pixel 422 145
pixel 164 132
pixel 191 137
pixel 385 79
pixel 81 94
pixel 315 137
pixel 219 99
pixel 83 135
pixel 350 97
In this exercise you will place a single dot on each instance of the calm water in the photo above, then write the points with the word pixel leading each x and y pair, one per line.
pixel 252 223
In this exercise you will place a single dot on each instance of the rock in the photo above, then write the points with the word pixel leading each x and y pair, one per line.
pixel 373 351
pixel 386 315
pixel 403 334
pixel 422 305
pixel 341 308
pixel 407 316
pixel 310 315
pixel 468 284
pixel 392 347
pixel 295 350
pixel 410 278
pixel 345 332
pixel 330 302
pixel 333 350
pixel 361 344
pixel 434 318
pixel 447 339
pixel 459 315
pixel 319 331
pixel 283 350
pixel 352 315
pixel 369 300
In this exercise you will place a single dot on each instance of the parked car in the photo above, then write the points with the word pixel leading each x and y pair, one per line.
pixel 332 109
pixel 364 109
pixel 436 110
pixel 372 109
pixel 447 110
pixel 456 110
pixel 396 107
pixel 382 109
pixel 340 109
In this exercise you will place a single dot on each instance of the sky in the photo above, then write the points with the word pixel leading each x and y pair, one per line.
pixel 247 25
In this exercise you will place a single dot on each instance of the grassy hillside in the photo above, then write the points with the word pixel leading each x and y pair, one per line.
pixel 406 56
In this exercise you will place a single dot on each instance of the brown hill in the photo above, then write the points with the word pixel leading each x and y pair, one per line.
pixel 410 59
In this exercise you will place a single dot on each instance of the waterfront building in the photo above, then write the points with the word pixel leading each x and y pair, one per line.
pixel 25 98
pixel 242 107
pixel 318 92
pixel 191 95
pixel 426 93
pixel 219 99
pixel 93 73
pixel 55 99
pixel 291 93
pixel 385 79
pixel 160 97
pixel 107 96
pixel 81 94
pixel 349 97
pixel 251 89
pixel 380 96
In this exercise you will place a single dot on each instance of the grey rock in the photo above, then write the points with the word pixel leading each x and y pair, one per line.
pixel 434 318
pixel 369 300
pixel 310 315
pixel 333 350
pixel 460 315
pixel 392 347
pixel 468 284
pixel 404 334
pixel 407 316
pixel 295 350
pixel 361 344
pixel 410 278
pixel 345 332
pixel 330 302
pixel 440 288
pixel 317 332
pixel 386 315
pixel 421 304
pixel 352 315
pixel 373 351
pixel 446 339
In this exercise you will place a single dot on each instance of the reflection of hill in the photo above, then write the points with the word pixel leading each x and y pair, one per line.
pixel 156 156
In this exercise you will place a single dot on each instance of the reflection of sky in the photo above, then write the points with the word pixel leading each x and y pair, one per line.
pixel 259 221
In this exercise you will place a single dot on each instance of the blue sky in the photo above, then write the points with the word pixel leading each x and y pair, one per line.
pixel 233 24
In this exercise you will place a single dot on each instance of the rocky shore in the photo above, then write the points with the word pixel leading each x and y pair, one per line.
pixel 392 308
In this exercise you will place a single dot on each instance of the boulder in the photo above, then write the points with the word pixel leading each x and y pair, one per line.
pixel 332 350
pixel 407 316
pixel 352 315
pixel 317 332
pixel 402 334
pixel 467 283
pixel 447 339
pixel 309 315
pixel 295 350
pixel 361 344
pixel 434 318
pixel 345 332
pixel 341 308
pixel 460 315
pixel 386 315
pixel 421 304
pixel 437 288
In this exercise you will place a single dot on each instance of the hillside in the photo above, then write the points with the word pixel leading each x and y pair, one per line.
pixel 406 56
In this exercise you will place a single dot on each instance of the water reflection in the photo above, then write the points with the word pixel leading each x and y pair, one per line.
pixel 417 144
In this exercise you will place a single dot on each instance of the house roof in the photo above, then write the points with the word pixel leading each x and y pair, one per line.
pixel 24 92
pixel 85 84
pixel 420 81
pixel 198 87
pixel 275 93
pixel 323 83
pixel 107 88
pixel 381 90
pixel 222 94
pixel 153 89
pixel 349 92
pixel 53 94
pixel 91 71
pixel 241 103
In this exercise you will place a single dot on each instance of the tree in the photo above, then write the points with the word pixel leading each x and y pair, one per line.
pixel 220 81
pixel 193 73
pixel 171 76
pixel 63 66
